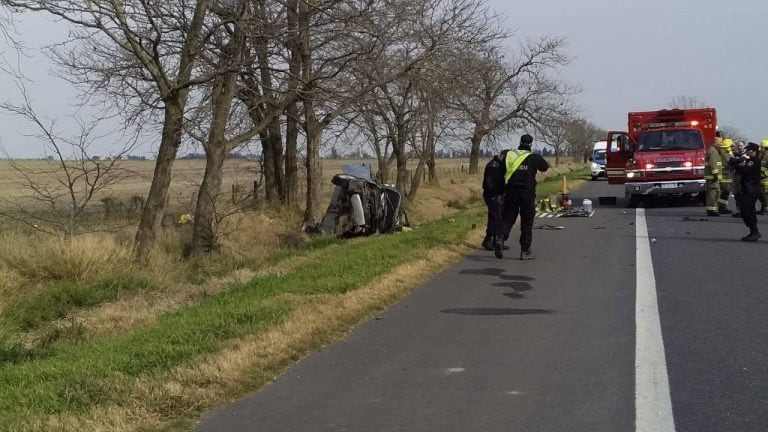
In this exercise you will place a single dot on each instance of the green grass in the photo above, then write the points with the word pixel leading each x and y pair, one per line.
pixel 74 376
pixel 78 375
pixel 56 300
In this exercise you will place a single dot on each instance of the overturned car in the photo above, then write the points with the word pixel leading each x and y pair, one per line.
pixel 360 206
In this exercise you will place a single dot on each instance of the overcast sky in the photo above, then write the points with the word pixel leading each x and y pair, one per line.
pixel 638 55
pixel 628 56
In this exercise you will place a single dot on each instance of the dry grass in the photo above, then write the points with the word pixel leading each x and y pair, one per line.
pixel 255 361
pixel 83 258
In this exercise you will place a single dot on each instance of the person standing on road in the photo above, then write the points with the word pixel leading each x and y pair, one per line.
pixel 521 166
pixel 764 163
pixel 496 231
pixel 725 182
pixel 712 170
pixel 749 168
pixel 738 151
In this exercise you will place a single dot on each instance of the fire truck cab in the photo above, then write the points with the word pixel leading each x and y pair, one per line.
pixel 661 153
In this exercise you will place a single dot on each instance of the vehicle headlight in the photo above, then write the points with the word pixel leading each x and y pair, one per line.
pixel 595 166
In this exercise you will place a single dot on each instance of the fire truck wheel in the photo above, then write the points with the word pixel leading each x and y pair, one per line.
pixel 633 201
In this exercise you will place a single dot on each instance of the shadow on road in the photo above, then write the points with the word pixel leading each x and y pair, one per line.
pixel 517 286
pixel 496 311
pixel 483 271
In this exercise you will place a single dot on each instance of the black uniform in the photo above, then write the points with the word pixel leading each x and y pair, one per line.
pixel 520 196
pixel 749 172
pixel 493 194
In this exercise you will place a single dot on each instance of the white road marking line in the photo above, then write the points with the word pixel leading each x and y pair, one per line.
pixel 653 404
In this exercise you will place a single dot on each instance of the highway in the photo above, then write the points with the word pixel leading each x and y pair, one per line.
pixel 646 319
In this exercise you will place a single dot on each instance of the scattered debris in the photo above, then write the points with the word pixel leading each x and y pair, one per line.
pixel 694 219
pixel 653 240
pixel 599 227
pixel 575 212
pixel 549 227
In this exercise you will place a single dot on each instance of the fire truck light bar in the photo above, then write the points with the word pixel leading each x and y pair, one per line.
pixel 669 124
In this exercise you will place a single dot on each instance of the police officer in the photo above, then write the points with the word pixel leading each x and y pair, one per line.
pixel 713 165
pixel 738 151
pixel 725 152
pixel 520 170
pixel 748 167
pixel 493 194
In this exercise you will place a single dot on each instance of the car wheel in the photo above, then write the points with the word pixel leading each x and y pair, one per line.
pixel 594 177
pixel 633 201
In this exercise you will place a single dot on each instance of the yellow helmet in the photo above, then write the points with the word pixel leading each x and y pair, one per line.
pixel 727 143
pixel 764 143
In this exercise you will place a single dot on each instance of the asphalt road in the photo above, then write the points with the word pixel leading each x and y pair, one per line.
pixel 572 341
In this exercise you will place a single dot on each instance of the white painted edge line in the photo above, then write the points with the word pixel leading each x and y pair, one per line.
pixel 653 403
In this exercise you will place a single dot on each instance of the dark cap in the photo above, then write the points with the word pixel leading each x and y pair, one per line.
pixel 526 139
pixel 752 146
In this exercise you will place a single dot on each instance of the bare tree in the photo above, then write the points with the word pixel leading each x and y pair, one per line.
pixel 497 93
pixel 333 67
pixel 554 133
pixel 686 101
pixel 733 133
pixel 141 54
pixel 581 134
pixel 60 189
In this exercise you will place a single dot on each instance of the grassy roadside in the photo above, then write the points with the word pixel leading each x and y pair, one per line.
pixel 162 376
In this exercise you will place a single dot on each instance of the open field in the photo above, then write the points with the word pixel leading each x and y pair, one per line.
pixel 88 343
pixel 187 175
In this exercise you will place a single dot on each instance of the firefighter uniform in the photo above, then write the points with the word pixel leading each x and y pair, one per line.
pixel 713 165
pixel 725 183
pixel 764 178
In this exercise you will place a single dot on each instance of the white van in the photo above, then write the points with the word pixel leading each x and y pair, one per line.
pixel 598 159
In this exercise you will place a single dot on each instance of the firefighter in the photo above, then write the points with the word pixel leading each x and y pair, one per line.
pixel 521 167
pixel 748 167
pixel 738 151
pixel 725 152
pixel 493 194
pixel 712 171
pixel 764 181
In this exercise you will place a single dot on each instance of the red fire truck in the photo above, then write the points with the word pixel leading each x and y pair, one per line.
pixel 662 153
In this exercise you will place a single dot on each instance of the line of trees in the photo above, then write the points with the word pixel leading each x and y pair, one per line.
pixel 399 74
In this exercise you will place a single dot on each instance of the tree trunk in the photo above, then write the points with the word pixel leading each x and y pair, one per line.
pixel 291 156
pixel 154 206
pixel 385 165
pixel 293 43
pixel 314 169
pixel 474 153
pixel 416 182
pixel 433 180
pixel 175 102
pixel 268 165
pixel 402 171
pixel 276 141
pixel 204 238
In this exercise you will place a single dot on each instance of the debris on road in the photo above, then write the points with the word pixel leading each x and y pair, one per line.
pixel 549 227
pixel 694 219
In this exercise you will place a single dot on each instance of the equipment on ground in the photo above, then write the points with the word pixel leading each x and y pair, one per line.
pixel 662 153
